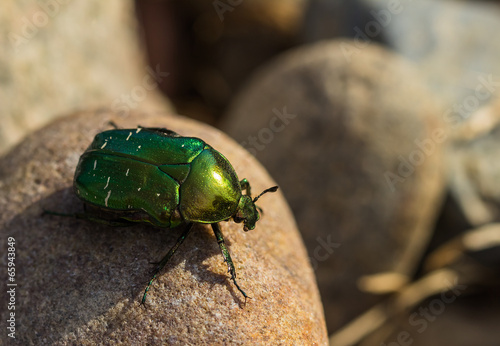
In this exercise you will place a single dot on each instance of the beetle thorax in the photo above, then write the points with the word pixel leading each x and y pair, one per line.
pixel 211 191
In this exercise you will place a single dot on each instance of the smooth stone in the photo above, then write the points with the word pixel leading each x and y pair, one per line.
pixel 355 142
pixel 59 56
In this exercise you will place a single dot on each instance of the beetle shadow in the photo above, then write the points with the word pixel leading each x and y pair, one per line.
pixel 203 246
pixel 71 271
pixel 197 248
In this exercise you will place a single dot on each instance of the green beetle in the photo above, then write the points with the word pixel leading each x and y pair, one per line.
pixel 154 175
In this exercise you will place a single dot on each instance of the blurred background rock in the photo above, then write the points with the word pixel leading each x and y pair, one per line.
pixel 348 156
pixel 64 55
pixel 232 62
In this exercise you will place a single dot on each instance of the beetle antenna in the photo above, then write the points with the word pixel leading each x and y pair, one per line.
pixel 271 189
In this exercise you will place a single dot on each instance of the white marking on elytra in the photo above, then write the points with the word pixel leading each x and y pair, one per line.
pixel 139 147
pixel 138 130
pixel 139 189
pixel 95 164
pixel 158 194
pixel 126 174
pixel 107 197
pixel 130 134
pixel 107 183
pixel 104 144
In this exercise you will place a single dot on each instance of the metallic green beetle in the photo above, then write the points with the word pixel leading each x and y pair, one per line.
pixel 153 175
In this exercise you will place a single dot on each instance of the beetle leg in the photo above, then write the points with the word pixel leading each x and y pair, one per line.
pixel 245 185
pixel 110 222
pixel 85 216
pixel 227 256
pixel 167 257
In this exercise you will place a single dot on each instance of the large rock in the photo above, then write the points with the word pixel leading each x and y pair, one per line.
pixel 81 282
pixel 355 143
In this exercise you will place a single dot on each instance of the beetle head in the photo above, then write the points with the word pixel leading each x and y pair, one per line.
pixel 247 211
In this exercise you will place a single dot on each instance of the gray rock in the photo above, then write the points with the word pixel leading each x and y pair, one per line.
pixel 450 41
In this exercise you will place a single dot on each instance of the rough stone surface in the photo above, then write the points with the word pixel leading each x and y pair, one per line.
pixel 80 282
pixel 58 56
pixel 356 146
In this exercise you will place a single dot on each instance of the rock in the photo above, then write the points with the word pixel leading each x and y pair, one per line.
pixel 82 282
pixel 356 145
pixel 63 55
pixel 449 41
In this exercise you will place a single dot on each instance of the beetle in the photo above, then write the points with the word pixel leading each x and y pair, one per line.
pixel 155 176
